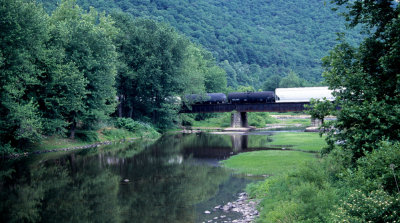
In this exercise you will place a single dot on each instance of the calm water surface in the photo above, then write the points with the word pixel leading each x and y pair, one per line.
pixel 174 179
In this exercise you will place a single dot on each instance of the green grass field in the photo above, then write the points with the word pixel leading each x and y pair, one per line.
pixel 271 162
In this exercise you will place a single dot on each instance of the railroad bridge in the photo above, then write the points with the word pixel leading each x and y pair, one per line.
pixel 282 100
pixel 239 117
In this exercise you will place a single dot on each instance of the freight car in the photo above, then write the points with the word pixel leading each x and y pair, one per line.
pixel 303 94
pixel 252 97
pixel 209 98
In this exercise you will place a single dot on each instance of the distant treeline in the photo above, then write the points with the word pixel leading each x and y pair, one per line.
pixel 71 69
pixel 253 40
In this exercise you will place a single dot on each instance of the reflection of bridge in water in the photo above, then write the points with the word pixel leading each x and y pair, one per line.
pixel 239 144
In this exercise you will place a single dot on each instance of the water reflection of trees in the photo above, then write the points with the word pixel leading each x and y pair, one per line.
pixel 89 187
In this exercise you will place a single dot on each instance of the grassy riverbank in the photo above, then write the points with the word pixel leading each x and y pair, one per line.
pixel 305 141
pixel 307 189
pixel 119 129
pixel 270 162
pixel 90 137
pixel 291 173
pixel 273 162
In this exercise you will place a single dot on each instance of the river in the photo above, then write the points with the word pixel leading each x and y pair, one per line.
pixel 175 179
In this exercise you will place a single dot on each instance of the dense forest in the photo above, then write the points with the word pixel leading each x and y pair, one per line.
pixel 69 70
pixel 253 40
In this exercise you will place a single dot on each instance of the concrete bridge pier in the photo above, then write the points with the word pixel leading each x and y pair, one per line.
pixel 315 122
pixel 239 120
pixel 315 125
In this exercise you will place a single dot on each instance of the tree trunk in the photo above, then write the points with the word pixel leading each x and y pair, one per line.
pixel 130 112
pixel 121 99
pixel 73 127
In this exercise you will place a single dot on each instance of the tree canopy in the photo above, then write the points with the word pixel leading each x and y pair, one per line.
pixel 251 39
pixel 366 78
pixel 69 70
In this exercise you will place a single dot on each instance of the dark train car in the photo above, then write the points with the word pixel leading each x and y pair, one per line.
pixel 209 98
pixel 251 97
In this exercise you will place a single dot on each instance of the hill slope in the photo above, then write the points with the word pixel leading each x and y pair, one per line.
pixel 252 39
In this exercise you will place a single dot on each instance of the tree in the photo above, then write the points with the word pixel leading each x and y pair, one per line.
pixel 22 48
pixel 153 54
pixel 157 65
pixel 319 109
pixel 87 41
pixel 291 80
pixel 272 83
pixel 366 79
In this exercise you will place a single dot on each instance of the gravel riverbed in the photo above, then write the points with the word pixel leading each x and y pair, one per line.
pixel 243 205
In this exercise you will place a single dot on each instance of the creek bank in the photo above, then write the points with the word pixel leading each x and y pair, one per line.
pixel 243 205
pixel 94 145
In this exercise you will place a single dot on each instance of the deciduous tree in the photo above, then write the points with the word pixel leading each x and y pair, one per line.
pixel 366 79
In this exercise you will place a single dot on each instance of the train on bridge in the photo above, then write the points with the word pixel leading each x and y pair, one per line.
pixel 280 95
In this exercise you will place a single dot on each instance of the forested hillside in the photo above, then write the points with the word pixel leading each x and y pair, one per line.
pixel 252 39
pixel 68 71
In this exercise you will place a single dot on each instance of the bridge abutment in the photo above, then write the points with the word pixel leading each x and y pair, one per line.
pixel 239 120
pixel 315 122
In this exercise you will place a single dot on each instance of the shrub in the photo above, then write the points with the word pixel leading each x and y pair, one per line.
pixel 139 128
pixel 380 166
pixel 303 195
pixel 285 211
pixel 127 123
pixel 257 121
pixel 87 135
pixel 260 119
pixel 375 206
pixel 6 149
pixel 115 134
pixel 186 120
pixel 259 189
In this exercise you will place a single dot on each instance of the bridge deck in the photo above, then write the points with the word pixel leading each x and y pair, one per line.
pixel 255 107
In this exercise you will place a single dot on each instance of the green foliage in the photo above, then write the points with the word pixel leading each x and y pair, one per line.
pixel 22 48
pixel 366 78
pixel 58 72
pixel 116 134
pixel 27 118
pixel 140 129
pixel 259 189
pixel 245 89
pixel 257 119
pixel 220 120
pixel 87 41
pixel 378 169
pixel 252 40
pixel 127 123
pixel 303 195
pixel 260 119
pixel 292 80
pixel 374 206
pixel 272 83
pixel 87 136
pixel 320 109
pixel 311 192
pixel 6 149
pixel 157 64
